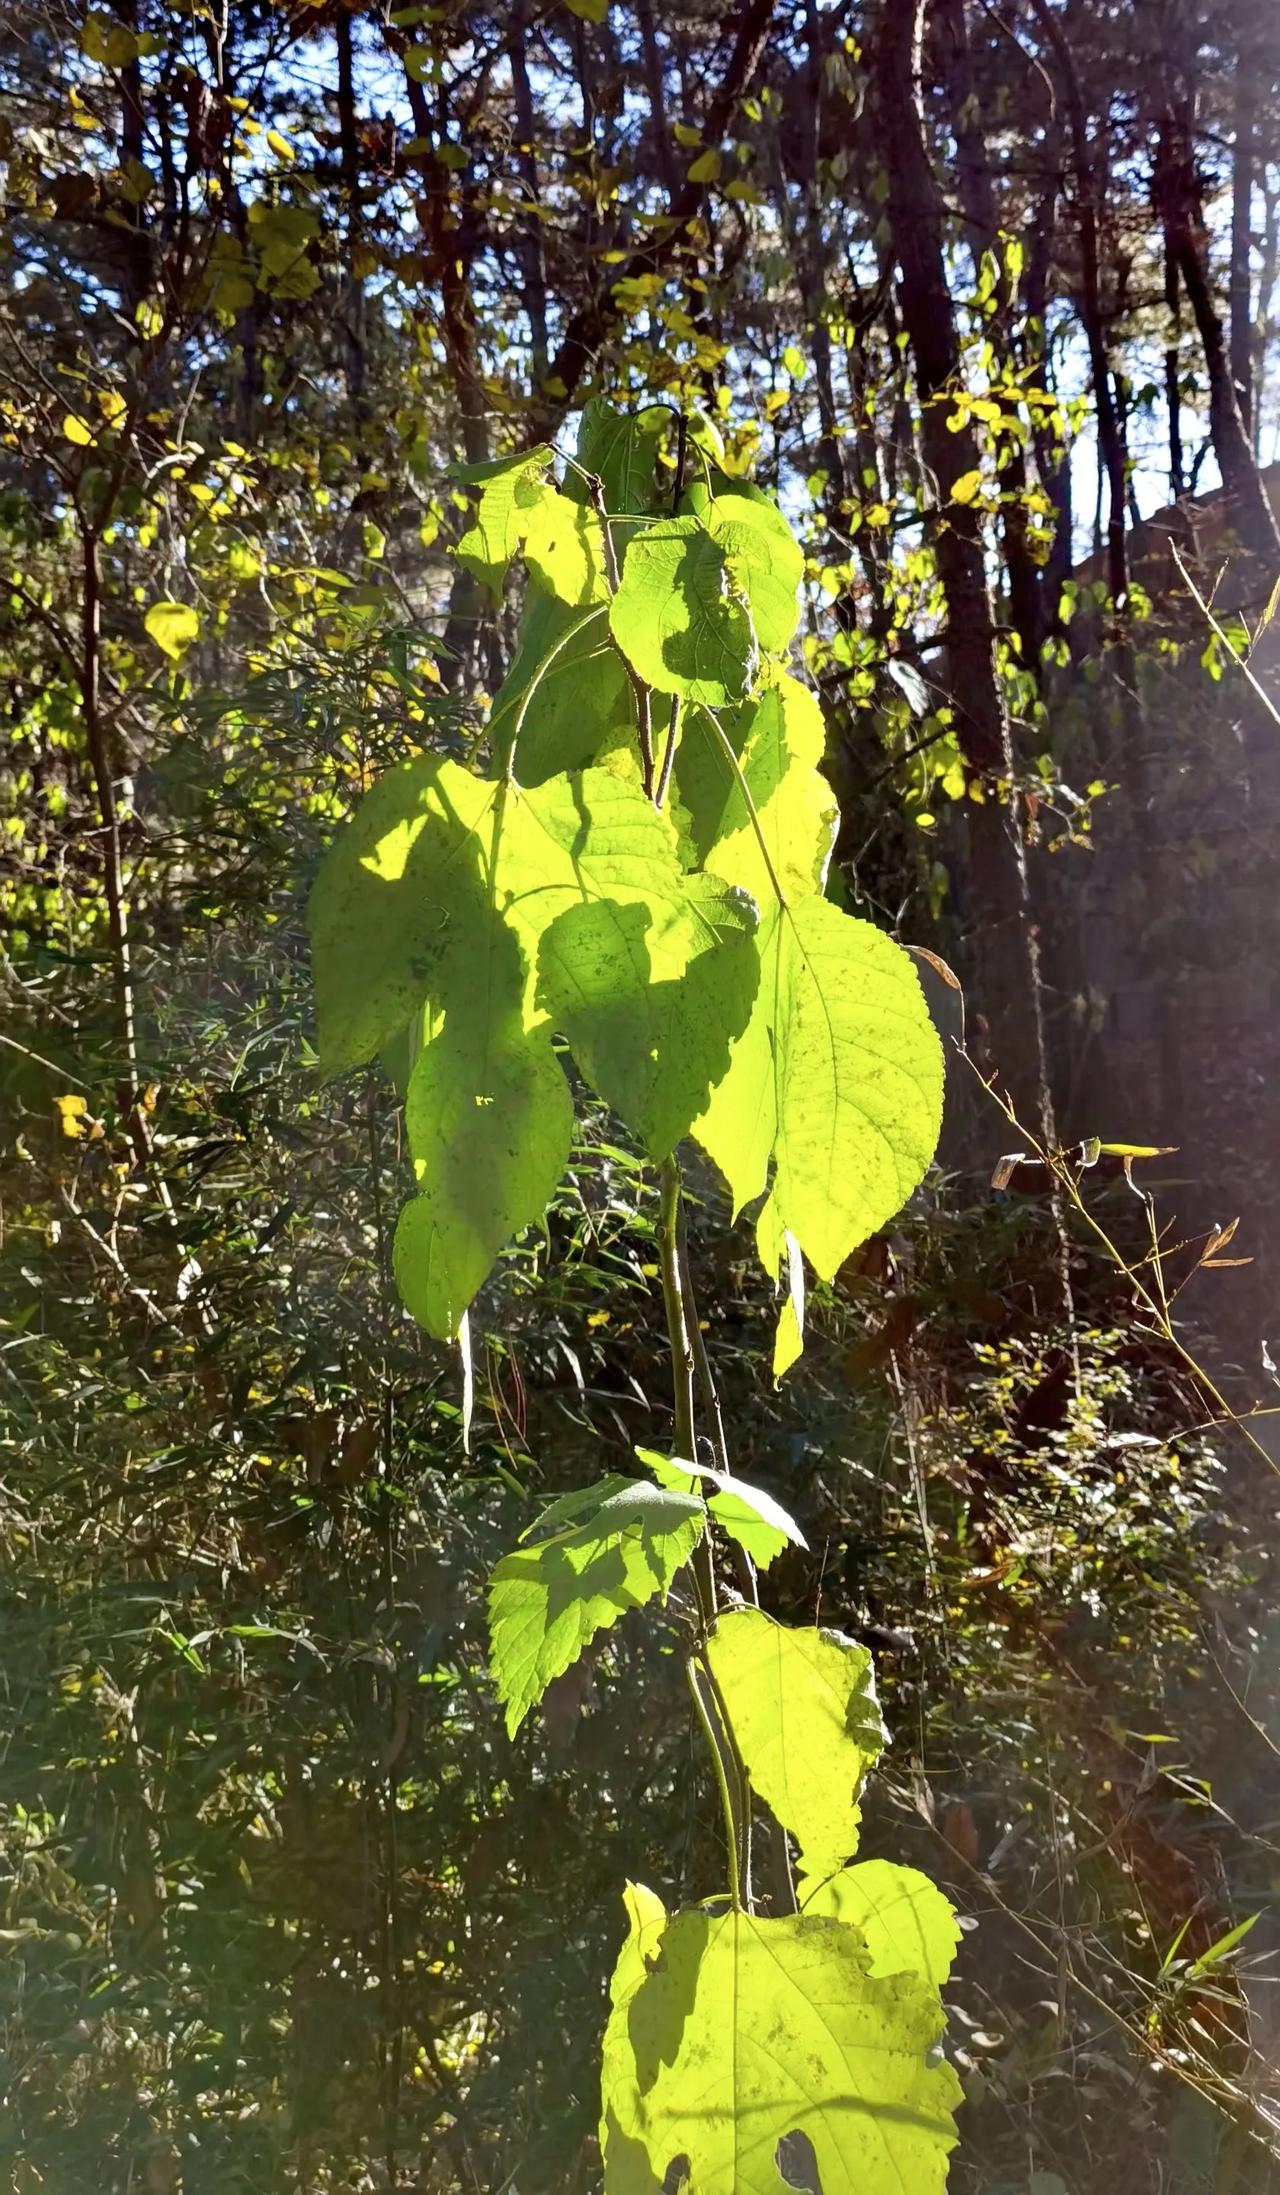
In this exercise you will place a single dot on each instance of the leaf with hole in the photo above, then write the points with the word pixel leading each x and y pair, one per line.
pixel 744 2039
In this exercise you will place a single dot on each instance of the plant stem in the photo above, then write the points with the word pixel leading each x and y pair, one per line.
pixel 644 707
pixel 669 752
pixel 682 1358
pixel 717 1750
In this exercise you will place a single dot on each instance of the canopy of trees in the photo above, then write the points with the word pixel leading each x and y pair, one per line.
pixel 981 298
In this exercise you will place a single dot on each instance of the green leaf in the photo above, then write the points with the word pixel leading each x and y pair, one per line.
pixel 564 549
pixel 839 1071
pixel 548 1600
pixel 490 1121
pixel 779 740
pixel 508 504
pixel 590 11
pixel 497 468
pixel 405 893
pixel 802 1706
pixel 674 618
pixel 743 2031
pixel 908 1925
pixel 387 901
pixel 650 996
pixel 773 1244
pixel 763 560
pixel 747 1513
pixel 619 448
pixel 705 168
pixel 173 626
pixel 580 706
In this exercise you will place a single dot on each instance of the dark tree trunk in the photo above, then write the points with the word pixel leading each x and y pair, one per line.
pixel 1240 288
pixel 1111 449
pixel 1179 201
pixel 1173 373
pixel 349 146
pixel 1007 965
pixel 531 255
pixel 452 251
pixel 655 85
pixel 982 225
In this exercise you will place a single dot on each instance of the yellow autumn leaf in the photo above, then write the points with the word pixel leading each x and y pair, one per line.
pixel 71 1115
pixel 78 430
pixel 967 488
pixel 173 626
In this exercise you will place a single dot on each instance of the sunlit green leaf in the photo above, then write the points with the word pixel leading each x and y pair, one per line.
pixel 779 739
pixel 563 710
pixel 802 1705
pixel 489 1122
pixel 908 1926
pixel 650 997
pixel 741 2031
pixel 747 1513
pixel 406 893
pixel 763 560
pixel 851 1098
pixel 563 547
pixel 674 617
pixel 548 1599
pixel 619 448
pixel 508 503
pixel 173 626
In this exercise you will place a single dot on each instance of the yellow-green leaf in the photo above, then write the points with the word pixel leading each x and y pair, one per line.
pixel 802 1706
pixel 173 626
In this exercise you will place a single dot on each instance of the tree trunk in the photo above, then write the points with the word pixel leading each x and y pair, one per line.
pixel 1007 965
pixel 656 87
pixel 531 255
pixel 982 224
pixel 1179 200
pixel 1240 287
pixel 1173 374
pixel 1111 449
pixel 353 287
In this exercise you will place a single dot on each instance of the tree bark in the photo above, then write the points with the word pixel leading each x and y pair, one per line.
pixel 589 328
pixel 982 223
pixel 660 130
pixel 1179 200
pixel 349 148
pixel 531 254
pixel 1111 449
pixel 1173 373
pixel 1240 287
pixel 1008 976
